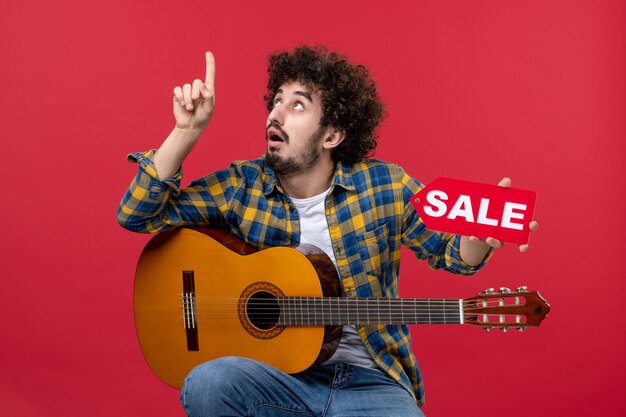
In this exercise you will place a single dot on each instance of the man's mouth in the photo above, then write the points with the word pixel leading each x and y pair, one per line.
pixel 275 136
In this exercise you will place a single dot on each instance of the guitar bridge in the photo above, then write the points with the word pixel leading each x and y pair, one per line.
pixel 189 310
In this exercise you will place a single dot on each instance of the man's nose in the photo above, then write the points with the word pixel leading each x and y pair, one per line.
pixel 277 116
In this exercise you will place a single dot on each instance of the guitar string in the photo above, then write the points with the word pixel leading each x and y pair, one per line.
pixel 317 297
pixel 312 321
pixel 348 314
pixel 385 312
pixel 297 312
pixel 336 303
pixel 302 312
pixel 361 306
pixel 410 301
pixel 327 306
pixel 390 308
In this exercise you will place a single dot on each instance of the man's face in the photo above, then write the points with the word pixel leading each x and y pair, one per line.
pixel 293 133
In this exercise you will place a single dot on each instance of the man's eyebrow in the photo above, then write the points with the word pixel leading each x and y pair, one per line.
pixel 298 93
pixel 304 94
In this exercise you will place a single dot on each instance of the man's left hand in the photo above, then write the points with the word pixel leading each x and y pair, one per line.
pixel 473 250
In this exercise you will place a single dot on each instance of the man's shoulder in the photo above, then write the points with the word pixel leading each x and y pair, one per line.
pixel 378 167
pixel 257 164
pixel 248 168
pixel 383 175
pixel 248 171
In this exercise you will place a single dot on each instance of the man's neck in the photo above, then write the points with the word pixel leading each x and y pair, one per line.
pixel 310 182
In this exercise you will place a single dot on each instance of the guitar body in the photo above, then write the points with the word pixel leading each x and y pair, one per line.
pixel 223 274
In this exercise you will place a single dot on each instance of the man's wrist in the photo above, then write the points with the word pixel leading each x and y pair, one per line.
pixel 188 133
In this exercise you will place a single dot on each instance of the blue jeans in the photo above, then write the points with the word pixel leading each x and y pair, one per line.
pixel 235 386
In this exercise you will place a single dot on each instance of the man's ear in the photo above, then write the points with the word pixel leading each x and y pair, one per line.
pixel 334 138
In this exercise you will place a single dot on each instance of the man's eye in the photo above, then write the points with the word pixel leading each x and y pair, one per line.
pixel 298 106
pixel 276 102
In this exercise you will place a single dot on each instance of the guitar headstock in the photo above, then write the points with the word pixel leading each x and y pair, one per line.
pixel 505 309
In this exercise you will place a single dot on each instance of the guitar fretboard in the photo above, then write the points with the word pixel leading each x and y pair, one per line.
pixel 325 311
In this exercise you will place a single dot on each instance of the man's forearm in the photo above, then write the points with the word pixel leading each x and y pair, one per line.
pixel 170 156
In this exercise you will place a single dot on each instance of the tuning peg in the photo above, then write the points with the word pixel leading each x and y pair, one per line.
pixel 521 329
pixel 488 291
pixel 505 329
pixel 504 290
pixel 521 289
pixel 488 328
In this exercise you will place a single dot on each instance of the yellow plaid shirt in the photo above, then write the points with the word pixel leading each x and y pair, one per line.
pixel 369 216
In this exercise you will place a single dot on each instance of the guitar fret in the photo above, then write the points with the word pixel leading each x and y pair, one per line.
pixel 330 310
pixel 461 317
pixel 429 313
pixel 339 304
pixel 286 319
pixel 320 318
pixel 441 312
pixel 301 313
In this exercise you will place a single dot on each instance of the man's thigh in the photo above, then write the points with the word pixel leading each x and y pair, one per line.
pixel 237 386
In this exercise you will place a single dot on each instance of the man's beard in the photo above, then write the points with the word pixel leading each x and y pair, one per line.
pixel 303 160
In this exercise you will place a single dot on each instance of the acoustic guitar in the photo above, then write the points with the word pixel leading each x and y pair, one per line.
pixel 201 294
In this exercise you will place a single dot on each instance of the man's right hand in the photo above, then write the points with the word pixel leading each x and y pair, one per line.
pixel 194 103
pixel 193 107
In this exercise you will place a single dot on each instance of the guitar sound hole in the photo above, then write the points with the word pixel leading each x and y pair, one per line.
pixel 263 310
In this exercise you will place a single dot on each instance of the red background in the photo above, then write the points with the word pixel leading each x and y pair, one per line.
pixel 476 90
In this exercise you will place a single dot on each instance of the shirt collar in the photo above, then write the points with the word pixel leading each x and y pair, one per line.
pixel 270 180
pixel 343 178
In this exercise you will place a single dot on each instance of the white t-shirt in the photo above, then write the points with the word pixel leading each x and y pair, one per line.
pixel 314 230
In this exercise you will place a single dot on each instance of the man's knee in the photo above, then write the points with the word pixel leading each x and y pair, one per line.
pixel 215 384
pixel 220 373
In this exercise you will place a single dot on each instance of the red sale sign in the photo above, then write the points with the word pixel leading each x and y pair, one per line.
pixel 475 209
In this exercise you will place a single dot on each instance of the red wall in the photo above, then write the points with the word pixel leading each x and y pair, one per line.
pixel 476 90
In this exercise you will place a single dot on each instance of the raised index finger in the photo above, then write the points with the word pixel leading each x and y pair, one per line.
pixel 210 71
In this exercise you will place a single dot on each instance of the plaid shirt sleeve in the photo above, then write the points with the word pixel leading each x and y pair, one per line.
pixel 151 205
pixel 441 250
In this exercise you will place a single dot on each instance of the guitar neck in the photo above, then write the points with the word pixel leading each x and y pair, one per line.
pixel 328 311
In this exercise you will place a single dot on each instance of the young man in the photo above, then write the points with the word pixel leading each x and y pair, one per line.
pixel 314 185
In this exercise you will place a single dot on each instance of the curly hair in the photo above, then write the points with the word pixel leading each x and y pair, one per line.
pixel 350 102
